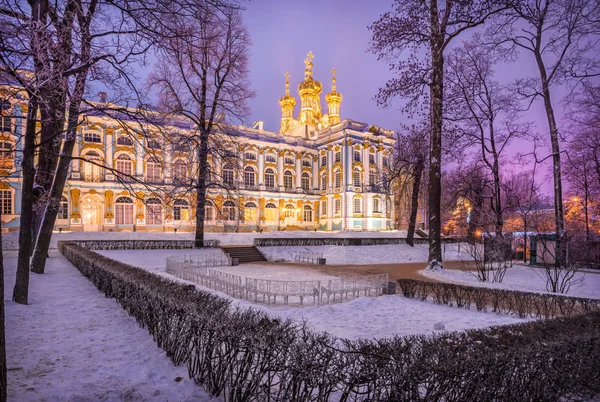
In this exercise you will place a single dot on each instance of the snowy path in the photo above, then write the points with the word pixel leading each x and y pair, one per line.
pixel 523 278
pixel 72 343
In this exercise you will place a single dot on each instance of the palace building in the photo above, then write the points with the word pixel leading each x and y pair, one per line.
pixel 318 172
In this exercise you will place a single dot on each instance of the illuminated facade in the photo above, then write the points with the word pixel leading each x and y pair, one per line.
pixel 317 172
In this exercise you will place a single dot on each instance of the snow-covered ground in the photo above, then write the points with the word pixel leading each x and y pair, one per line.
pixel 521 277
pixel 364 317
pixel 73 344
pixel 382 254
pixel 10 241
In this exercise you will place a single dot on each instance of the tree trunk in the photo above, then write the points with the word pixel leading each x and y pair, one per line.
pixel 414 205
pixel 21 289
pixel 525 240
pixel 3 370
pixel 435 156
pixel 201 189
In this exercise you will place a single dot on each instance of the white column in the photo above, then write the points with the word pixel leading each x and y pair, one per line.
pixel 365 163
pixel 74 163
pixel 349 163
pixel 168 168
pixel 139 157
pixel 261 168
pixel 298 171
pixel 315 168
pixel 280 169
pixel 330 168
pixel 108 146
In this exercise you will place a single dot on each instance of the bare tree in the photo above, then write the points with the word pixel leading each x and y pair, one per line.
pixel 486 112
pixel 558 34
pixel 3 368
pixel 202 72
pixel 425 30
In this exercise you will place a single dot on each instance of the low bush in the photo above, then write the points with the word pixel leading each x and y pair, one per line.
pixel 245 355
pixel 141 244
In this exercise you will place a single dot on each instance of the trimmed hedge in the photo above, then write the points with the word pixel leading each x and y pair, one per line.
pixel 332 241
pixel 141 244
pixel 245 355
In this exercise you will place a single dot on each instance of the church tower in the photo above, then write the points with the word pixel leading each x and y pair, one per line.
pixel 334 99
pixel 309 90
pixel 287 103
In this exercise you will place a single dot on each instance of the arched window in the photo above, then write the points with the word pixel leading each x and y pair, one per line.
pixel 91 171
pixel 307 214
pixel 228 174
pixel 306 162
pixel 154 144
pixel 270 178
pixel 124 164
pixel 5 119
pixel 63 209
pixel 338 179
pixel 305 181
pixel 271 158
pixel 209 211
pixel 124 211
pixel 372 157
pixel 356 155
pixel 372 177
pixel 249 177
pixel 250 212
pixel 324 181
pixel 229 211
pixel 250 156
pixel 6 154
pixel 180 171
pixel 124 140
pixel 376 206
pixel 153 212
pixel 271 212
pixel 288 180
pixel 92 137
pixel 289 211
pixel 288 160
pixel 356 177
pixel 153 171
pixel 181 210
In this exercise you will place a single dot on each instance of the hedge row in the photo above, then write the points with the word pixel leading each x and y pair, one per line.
pixel 245 355
pixel 333 241
pixel 522 304
pixel 141 244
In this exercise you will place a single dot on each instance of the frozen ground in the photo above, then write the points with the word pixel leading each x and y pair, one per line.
pixel 73 344
pixel 383 254
pixel 364 317
pixel 10 240
pixel 520 277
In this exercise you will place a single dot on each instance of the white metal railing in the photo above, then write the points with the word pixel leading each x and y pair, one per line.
pixel 311 257
pixel 199 270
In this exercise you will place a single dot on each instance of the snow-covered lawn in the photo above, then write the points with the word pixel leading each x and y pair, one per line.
pixel 521 277
pixel 73 344
pixel 381 254
pixel 10 241
pixel 364 317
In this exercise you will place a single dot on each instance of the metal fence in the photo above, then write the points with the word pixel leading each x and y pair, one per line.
pixel 274 291
pixel 310 257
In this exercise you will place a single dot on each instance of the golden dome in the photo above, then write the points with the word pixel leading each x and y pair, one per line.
pixel 287 99
pixel 334 95
pixel 309 84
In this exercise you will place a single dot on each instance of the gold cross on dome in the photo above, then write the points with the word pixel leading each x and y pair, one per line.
pixel 333 71
pixel 310 55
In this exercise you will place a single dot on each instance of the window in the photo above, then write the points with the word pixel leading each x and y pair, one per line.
pixel 63 208
pixel 324 182
pixel 250 156
pixel 289 211
pixel 271 158
pixel 324 207
pixel 323 160
pixel 228 174
pixel 356 177
pixel 229 153
pixel 269 178
pixel 6 154
pixel 5 124
pixel 338 156
pixel 386 161
pixel 154 144
pixel 124 140
pixel 6 202
pixel 372 158
pixel 372 177
pixel 250 212
pixel 91 171
pixel 124 164
pixel 307 214
pixel 153 171
pixel 289 161
pixel 288 180
pixel 153 212
pixel 376 206
pixel 357 206
pixel 209 212
pixel 338 206
pixel 181 210
pixel 338 179
pixel 356 155
pixel 92 137
pixel 249 177
pixel 124 211
pixel 306 162
pixel 180 145
pixel 229 211
pixel 271 212
pixel 388 207
pixel 180 171
pixel 305 181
